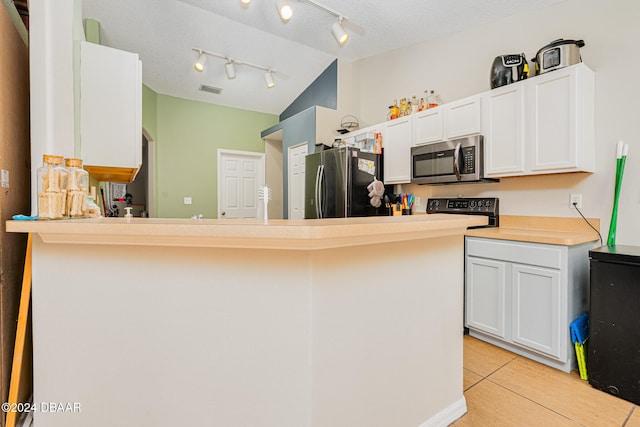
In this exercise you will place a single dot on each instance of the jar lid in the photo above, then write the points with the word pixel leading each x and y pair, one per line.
pixel 50 158
pixel 73 162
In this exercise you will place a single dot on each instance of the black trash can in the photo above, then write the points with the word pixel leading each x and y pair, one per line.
pixel 613 357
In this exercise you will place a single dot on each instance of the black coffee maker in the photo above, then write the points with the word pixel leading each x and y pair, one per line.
pixel 507 69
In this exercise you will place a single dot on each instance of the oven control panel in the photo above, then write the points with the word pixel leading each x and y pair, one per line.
pixel 488 206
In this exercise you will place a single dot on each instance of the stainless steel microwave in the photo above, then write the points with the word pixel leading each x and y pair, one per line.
pixel 455 161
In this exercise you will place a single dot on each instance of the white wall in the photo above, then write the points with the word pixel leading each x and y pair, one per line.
pixel 54 26
pixel 458 65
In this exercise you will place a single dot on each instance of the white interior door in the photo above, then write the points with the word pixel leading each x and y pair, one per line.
pixel 240 174
pixel 297 155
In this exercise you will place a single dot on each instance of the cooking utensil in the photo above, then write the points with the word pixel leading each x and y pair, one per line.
pixel 558 54
pixel 507 69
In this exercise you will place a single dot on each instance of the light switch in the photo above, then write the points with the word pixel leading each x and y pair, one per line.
pixel 187 200
pixel 5 178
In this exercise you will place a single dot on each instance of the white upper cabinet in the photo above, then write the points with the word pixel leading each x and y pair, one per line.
pixel 396 141
pixel 541 125
pixel 504 131
pixel 562 115
pixel 463 117
pixel 110 108
pixel 351 138
pixel 428 126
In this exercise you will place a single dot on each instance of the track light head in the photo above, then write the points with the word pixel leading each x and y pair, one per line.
pixel 200 62
pixel 339 33
pixel 268 78
pixel 284 10
pixel 230 68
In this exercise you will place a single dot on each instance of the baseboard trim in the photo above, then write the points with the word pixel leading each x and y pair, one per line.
pixel 557 364
pixel 448 415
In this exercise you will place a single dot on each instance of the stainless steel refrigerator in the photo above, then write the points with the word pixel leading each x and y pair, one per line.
pixel 336 183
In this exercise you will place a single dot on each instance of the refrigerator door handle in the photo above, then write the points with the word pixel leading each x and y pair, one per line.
pixel 319 197
pixel 315 193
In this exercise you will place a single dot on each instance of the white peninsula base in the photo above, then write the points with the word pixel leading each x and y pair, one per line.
pixel 204 336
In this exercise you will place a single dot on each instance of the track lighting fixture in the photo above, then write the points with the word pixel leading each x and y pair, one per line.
pixel 339 33
pixel 284 10
pixel 200 62
pixel 230 68
pixel 230 65
pixel 268 78
pixel 337 29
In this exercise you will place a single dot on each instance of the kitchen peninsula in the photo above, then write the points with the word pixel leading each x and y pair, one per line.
pixel 165 322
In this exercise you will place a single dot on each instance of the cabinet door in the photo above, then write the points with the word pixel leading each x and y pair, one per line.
pixel 485 296
pixel 554 112
pixel 428 126
pixel 463 117
pixel 110 107
pixel 397 151
pixel 536 296
pixel 351 138
pixel 504 142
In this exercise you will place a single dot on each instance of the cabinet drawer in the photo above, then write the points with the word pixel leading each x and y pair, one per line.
pixel 549 256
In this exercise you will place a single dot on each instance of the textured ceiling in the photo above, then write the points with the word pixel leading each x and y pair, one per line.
pixel 164 32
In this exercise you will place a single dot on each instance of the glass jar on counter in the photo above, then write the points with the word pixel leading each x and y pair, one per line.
pixel 77 189
pixel 52 192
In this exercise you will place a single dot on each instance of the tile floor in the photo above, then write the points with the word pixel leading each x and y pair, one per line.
pixel 504 389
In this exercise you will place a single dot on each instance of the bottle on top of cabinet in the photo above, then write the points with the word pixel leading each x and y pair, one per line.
pixel 52 193
pixel 77 189
pixel 395 111
pixel 433 100
pixel 404 107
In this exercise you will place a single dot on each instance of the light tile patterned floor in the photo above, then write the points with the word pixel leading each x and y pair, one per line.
pixel 504 389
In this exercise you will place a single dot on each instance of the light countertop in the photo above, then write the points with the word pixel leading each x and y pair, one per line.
pixel 549 230
pixel 242 233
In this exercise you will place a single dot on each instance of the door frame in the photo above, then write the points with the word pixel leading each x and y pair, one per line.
pixel 289 149
pixel 151 174
pixel 249 154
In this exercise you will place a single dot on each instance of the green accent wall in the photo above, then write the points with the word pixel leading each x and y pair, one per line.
pixel 187 137
pixel 150 112
pixel 92 30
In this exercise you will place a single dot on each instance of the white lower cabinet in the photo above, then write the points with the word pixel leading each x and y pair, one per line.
pixel 535 304
pixel 485 295
pixel 523 296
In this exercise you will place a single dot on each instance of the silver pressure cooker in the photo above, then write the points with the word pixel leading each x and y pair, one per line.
pixel 558 54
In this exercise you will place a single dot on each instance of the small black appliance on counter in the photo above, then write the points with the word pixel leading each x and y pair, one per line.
pixel 487 206
pixel 613 353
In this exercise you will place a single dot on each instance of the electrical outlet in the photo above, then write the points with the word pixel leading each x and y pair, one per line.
pixel 187 200
pixel 577 199
pixel 417 202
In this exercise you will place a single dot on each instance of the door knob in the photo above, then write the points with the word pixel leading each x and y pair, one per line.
pixel 223 213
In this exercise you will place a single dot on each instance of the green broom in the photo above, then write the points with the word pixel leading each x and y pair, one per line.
pixel 621 158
